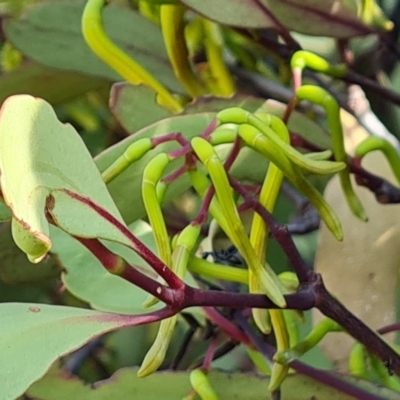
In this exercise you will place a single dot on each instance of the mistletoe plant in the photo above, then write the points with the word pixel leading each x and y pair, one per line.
pixel 60 203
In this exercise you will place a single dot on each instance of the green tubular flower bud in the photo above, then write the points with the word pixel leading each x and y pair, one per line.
pixel 185 243
pixel 254 139
pixel 279 371
pixel 184 246
pixel 278 374
pixel 320 155
pixel 173 27
pixel 222 81
pixel 201 385
pixel 233 115
pixel 156 355
pixel 259 237
pixel 151 176
pixel 259 361
pixel 223 135
pixel 133 153
pixel 161 188
pixel 218 271
pixel 103 47
pixel 290 280
pixel 324 327
pixel 259 240
pixel 302 59
pixel 374 143
pixel 318 167
pixel 291 326
pixel 358 366
pixel 390 381
pixel 261 316
pixel 236 232
pixel 321 97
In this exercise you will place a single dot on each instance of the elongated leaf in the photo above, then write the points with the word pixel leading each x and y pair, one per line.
pixel 243 13
pixel 135 106
pixel 50 33
pixel 216 104
pixel 52 85
pixel 175 385
pixel 33 336
pixel 333 18
pixel 44 163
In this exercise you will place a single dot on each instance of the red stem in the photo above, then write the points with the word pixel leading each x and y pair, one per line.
pixel 227 326
pixel 173 281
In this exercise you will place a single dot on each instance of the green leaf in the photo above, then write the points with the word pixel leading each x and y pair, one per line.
pixel 319 18
pixel 333 18
pixel 45 164
pixel 50 33
pixel 216 104
pixel 33 336
pixel 135 107
pixel 175 385
pixel 52 85
pixel 241 13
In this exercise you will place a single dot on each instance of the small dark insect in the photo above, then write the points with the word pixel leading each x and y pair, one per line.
pixel 229 256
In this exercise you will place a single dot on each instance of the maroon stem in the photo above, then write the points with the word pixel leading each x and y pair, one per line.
pixel 142 319
pixel 202 215
pixel 177 136
pixel 304 299
pixel 208 358
pixel 279 28
pixel 173 281
pixel 389 328
pixel 365 82
pixel 330 307
pixel 110 261
pixel 226 326
pixel 118 266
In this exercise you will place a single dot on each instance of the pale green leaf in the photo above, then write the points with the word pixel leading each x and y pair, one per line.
pixel 125 385
pixel 242 13
pixel 50 33
pixel 333 18
pixel 33 336
pixel 45 164
pixel 52 85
